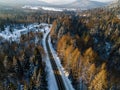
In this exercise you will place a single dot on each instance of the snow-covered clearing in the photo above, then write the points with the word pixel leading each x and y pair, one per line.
pixel 16 33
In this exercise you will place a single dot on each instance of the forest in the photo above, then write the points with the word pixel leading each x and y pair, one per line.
pixel 21 61
pixel 89 48
pixel 87 42
pixel 18 61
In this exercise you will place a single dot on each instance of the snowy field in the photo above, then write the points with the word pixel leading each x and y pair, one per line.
pixel 16 33
pixel 48 8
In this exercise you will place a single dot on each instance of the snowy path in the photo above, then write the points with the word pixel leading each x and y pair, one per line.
pixel 52 85
pixel 57 80
pixel 58 77
pixel 66 81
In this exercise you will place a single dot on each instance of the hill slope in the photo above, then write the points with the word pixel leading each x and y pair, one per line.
pixel 85 4
pixel 21 2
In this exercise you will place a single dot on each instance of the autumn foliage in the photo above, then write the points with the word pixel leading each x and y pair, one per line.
pixel 89 48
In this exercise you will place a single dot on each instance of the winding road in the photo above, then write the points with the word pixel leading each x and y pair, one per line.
pixel 58 77
pixel 60 81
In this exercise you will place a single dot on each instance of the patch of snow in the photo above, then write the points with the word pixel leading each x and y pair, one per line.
pixel 118 16
pixel 95 40
pixel 51 9
pixel 16 33
pixel 48 8
pixel 30 7
pixel 107 47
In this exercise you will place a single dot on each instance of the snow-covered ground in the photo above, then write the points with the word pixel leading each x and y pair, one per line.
pixel 47 8
pixel 63 73
pixel 16 33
